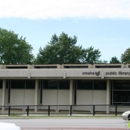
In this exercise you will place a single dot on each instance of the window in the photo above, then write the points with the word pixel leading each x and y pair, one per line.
pixel 100 85
pixel 17 84
pixel 64 84
pixel 30 84
pixel 41 84
pixel 121 92
pixel 8 86
pixel 52 84
pixel 122 85
pixel 121 96
pixel 1 83
pixel 22 84
pixel 84 84
pixel 91 85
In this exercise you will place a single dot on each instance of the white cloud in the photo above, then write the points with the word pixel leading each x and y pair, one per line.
pixel 43 9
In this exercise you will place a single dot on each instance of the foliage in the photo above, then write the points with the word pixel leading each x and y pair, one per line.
pixel 114 60
pixel 63 50
pixel 14 49
pixel 90 55
pixel 60 50
pixel 125 57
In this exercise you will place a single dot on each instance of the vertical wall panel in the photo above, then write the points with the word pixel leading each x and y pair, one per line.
pixel 29 97
pixel 99 97
pixel 63 97
pixel 84 97
pixel 0 97
pixel 17 97
pixel 49 97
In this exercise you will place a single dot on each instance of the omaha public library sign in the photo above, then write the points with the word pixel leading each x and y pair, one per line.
pixel 107 73
pixel 65 71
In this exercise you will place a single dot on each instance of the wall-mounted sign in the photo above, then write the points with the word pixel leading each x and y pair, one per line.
pixel 117 73
pixel 97 73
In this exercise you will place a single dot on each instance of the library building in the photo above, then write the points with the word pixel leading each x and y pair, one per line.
pixel 80 85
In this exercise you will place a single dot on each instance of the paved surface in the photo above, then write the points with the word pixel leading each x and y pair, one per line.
pixel 74 129
pixel 69 123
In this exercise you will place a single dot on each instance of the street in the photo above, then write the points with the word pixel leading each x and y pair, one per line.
pixel 69 123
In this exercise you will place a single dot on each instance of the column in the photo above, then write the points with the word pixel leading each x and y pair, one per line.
pixel 108 96
pixel 3 94
pixel 36 94
pixel 71 92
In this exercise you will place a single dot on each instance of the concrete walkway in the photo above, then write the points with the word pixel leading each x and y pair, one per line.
pixel 73 129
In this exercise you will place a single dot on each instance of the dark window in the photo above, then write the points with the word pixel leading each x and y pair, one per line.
pixel 64 84
pixel 41 94
pixel 121 96
pixel 41 83
pixel 16 67
pixel 1 84
pixel 75 92
pixel 83 84
pixel 8 86
pixel 75 66
pixel 50 84
pixel 17 84
pixel 45 67
pixel 119 66
pixel 121 92
pixel 122 85
pixel 22 84
pixel 100 85
pixel 30 84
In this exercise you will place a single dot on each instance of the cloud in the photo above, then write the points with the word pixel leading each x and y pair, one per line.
pixel 44 9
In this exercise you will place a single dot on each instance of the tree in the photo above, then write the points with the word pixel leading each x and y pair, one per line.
pixel 125 58
pixel 90 55
pixel 114 60
pixel 14 49
pixel 60 50
pixel 63 50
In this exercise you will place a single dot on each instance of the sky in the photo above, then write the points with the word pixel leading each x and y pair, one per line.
pixel 102 24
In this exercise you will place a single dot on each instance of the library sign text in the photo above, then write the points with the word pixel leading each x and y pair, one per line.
pixel 109 73
pixel 121 73
pixel 97 73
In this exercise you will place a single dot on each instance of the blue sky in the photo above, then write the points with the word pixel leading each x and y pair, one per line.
pixel 103 24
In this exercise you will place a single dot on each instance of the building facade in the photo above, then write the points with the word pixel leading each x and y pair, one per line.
pixel 67 84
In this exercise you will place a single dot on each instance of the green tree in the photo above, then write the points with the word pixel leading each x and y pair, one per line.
pixel 63 50
pixel 125 57
pixel 60 50
pixel 114 60
pixel 90 55
pixel 14 49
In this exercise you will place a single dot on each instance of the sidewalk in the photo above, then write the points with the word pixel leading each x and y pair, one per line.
pixel 24 116
pixel 73 129
pixel 74 122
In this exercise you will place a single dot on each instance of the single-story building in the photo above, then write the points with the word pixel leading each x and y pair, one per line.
pixel 66 84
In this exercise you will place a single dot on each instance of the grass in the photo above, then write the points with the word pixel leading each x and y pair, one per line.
pixel 57 116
